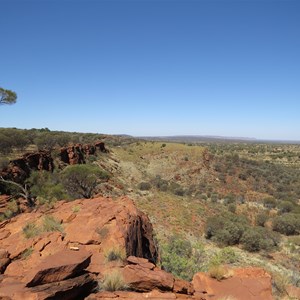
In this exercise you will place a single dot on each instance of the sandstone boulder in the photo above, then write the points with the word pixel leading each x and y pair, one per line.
pixel 143 279
pixel 144 263
pixel 183 287
pixel 245 284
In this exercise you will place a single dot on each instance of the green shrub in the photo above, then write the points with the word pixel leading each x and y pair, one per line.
pixel 230 198
pixel 269 202
pixel 179 192
pixel 261 219
pixel 214 198
pixel 226 229
pixel 160 183
pixel 144 186
pixel 285 206
pixel 288 224
pixel 180 258
pixel 227 255
pixel 232 207
pixel 46 186
pixel 113 281
pixel 51 224
pixel 251 240
pixel 258 238
pixel 176 189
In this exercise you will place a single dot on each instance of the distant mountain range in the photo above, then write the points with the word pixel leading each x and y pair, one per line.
pixel 211 138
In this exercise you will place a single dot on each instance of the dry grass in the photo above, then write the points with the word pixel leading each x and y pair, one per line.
pixel 51 224
pixel 219 272
pixel 114 254
pixel 31 230
pixel 279 284
pixel 113 281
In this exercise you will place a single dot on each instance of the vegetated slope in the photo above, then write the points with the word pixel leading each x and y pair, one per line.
pixel 181 186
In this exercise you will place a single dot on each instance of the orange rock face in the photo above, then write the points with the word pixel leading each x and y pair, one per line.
pixel 90 229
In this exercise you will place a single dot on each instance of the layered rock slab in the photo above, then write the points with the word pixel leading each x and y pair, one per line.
pixel 58 267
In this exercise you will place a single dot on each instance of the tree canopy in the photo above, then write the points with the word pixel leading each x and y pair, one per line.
pixel 7 96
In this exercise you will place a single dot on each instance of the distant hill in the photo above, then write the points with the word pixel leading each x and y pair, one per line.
pixel 211 139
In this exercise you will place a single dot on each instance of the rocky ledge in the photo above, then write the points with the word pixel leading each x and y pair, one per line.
pixel 68 252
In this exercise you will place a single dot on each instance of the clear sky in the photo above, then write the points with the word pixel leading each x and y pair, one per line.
pixel 195 67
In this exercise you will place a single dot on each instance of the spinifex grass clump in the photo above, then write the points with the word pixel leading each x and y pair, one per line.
pixel 113 281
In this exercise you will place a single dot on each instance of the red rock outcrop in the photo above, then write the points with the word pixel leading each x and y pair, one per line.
pixel 76 154
pixel 72 155
pixel 244 284
pixel 66 264
pixel 91 228
pixel 19 170
pixel 101 147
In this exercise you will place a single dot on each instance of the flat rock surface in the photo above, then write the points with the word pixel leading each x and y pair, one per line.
pixel 245 284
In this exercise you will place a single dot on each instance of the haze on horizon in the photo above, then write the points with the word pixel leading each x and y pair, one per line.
pixel 153 68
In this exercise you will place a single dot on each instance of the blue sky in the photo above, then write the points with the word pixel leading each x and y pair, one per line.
pixel 229 68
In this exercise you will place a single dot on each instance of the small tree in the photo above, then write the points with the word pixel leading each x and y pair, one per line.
pixel 7 96
pixel 23 191
pixel 82 180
